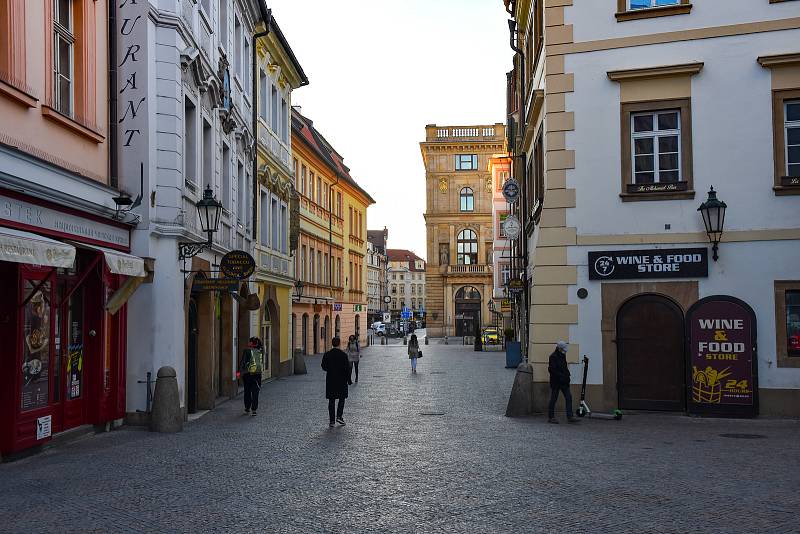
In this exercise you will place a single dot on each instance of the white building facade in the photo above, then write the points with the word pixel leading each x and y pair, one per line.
pixel 634 113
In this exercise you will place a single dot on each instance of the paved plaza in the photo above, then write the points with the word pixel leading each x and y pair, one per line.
pixel 430 452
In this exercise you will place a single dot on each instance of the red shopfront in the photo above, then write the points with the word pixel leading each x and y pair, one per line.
pixel 65 277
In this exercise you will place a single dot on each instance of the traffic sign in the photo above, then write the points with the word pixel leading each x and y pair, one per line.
pixel 511 191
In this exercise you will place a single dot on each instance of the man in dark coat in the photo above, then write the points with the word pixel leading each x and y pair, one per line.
pixel 559 381
pixel 336 364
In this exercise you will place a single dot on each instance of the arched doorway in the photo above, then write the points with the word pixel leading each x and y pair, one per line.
pixel 316 334
pixel 191 364
pixel 651 368
pixel 326 333
pixel 304 344
pixel 337 327
pixel 467 310
pixel 272 338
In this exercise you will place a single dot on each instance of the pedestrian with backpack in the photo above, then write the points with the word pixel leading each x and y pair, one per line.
pixel 250 368
pixel 413 352
pixel 353 356
pixel 337 367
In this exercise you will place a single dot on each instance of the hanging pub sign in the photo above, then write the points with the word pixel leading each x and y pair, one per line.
pixel 723 367
pixel 237 264
pixel 515 286
pixel 656 263
pixel 511 191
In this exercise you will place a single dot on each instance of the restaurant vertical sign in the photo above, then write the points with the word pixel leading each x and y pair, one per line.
pixel 131 92
pixel 723 366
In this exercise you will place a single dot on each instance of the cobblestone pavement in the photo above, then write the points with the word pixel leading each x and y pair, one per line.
pixel 398 466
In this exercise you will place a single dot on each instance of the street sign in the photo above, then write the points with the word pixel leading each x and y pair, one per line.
pixel 511 191
pixel 358 307
pixel 512 227
pixel 215 284
pixel 387 317
pixel 337 306
pixel 516 286
pixel 237 264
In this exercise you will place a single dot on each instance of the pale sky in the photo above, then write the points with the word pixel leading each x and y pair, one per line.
pixel 380 71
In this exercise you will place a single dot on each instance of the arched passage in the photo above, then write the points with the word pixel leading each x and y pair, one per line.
pixel 338 326
pixel 467 310
pixel 326 333
pixel 316 334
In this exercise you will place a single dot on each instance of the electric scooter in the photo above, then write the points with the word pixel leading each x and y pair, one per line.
pixel 583 407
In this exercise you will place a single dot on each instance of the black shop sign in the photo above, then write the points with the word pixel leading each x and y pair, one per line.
pixel 661 263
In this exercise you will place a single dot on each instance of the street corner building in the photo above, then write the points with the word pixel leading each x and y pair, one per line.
pixel 65 263
pixel 662 222
pixel 330 296
pixel 406 285
pixel 460 230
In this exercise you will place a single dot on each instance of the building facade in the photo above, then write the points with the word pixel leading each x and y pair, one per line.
pixel 279 73
pixel 458 222
pixel 377 266
pixel 619 134
pixel 500 170
pixel 406 283
pixel 65 266
pixel 330 263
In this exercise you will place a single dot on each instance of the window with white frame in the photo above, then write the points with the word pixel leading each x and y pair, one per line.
pixel 467 247
pixel 189 141
pixel 275 214
pixel 467 199
pixel 263 96
pixel 647 4
pixel 63 56
pixel 264 237
pixel 284 121
pixel 791 114
pixel 505 273
pixel 240 188
pixel 284 226
pixel 274 102
pixel 466 162
pixel 237 46
pixel 223 24
pixel 226 177
pixel 656 145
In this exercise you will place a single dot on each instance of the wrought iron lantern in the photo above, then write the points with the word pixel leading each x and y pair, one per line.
pixel 209 210
pixel 298 290
pixel 713 212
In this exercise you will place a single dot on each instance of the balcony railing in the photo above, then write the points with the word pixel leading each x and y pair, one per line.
pixel 469 269
pixel 461 133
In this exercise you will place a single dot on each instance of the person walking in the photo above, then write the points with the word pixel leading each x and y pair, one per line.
pixel 559 381
pixel 337 367
pixel 250 368
pixel 353 356
pixel 413 352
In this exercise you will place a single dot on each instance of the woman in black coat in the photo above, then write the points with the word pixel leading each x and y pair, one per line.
pixel 337 367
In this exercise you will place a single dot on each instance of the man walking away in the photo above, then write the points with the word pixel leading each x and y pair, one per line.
pixel 251 367
pixel 337 367
pixel 559 381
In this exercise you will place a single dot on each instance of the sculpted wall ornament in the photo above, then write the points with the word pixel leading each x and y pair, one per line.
pixel 489 184
pixel 443 184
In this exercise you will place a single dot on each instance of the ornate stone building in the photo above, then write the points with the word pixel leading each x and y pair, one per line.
pixel 458 221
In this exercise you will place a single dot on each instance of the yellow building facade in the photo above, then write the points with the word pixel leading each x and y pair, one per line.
pixel 330 262
pixel 276 202
pixel 458 221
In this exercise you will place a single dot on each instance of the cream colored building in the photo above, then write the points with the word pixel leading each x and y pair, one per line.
pixel 458 221
pixel 624 115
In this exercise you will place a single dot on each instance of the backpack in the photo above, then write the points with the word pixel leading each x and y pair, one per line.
pixel 253 361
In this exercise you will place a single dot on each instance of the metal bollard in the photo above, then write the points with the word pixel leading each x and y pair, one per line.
pixel 405 340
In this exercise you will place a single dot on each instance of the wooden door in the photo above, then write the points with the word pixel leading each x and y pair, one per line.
pixel 651 365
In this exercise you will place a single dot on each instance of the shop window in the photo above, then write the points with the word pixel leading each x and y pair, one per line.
pixel 787 322
pixel 36 349
pixel 656 150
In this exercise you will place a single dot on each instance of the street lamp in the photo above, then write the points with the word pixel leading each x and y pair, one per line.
pixel 713 212
pixel 298 290
pixel 209 210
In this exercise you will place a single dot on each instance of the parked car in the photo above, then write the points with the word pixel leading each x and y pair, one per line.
pixel 379 329
pixel 490 336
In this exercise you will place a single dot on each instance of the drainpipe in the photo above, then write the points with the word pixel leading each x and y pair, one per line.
pixel 254 107
pixel 330 240
pixel 524 183
pixel 112 96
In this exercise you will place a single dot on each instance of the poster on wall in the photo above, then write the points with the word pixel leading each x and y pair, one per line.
pixel 36 348
pixel 723 370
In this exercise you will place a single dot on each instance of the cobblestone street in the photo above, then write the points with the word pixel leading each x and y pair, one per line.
pixel 430 452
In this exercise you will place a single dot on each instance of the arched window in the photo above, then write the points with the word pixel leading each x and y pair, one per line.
pixel 467 247
pixel 467 199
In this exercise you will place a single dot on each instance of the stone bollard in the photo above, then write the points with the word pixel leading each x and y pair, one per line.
pixel 426 340
pixel 383 340
pixel 299 362
pixel 167 415
pixel 405 340
pixel 520 403
pixel 445 340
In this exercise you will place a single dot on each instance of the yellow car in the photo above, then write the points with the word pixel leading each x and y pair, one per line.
pixel 490 336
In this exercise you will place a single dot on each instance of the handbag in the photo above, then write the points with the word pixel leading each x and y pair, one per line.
pixel 419 354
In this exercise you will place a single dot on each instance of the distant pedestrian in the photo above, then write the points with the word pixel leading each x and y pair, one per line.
pixel 559 381
pixel 413 352
pixel 250 368
pixel 337 367
pixel 353 356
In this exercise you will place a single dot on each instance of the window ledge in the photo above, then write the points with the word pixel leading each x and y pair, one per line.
pixel 679 195
pixel 653 12
pixel 683 69
pixel 789 186
pixel 779 60
pixel 19 95
pixel 71 124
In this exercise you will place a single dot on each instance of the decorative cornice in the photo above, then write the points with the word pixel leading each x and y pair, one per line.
pixel 780 60
pixel 683 69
